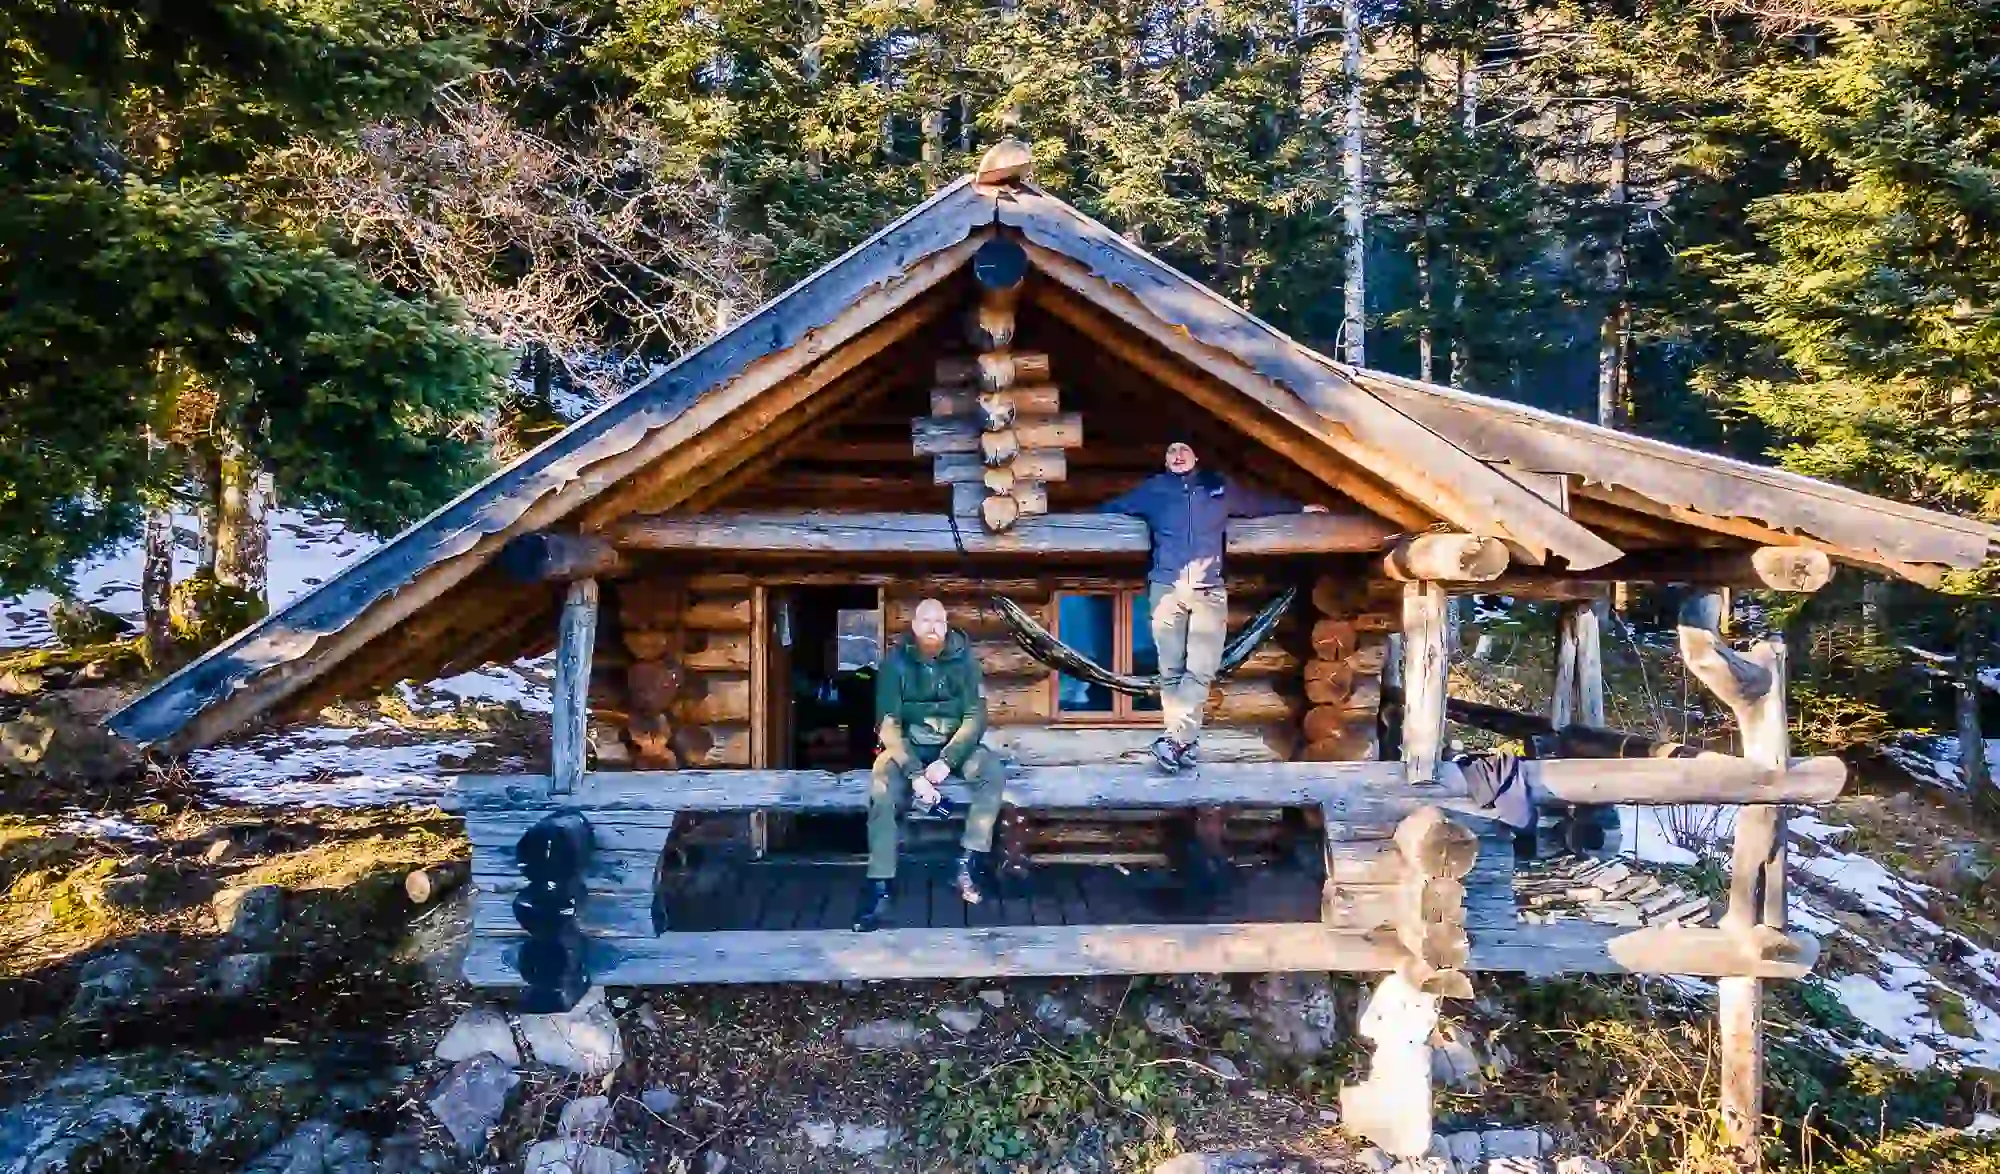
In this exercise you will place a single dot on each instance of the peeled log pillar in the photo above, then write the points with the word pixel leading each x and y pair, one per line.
pixel 1449 558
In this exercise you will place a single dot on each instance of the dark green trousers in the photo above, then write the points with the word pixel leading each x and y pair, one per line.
pixel 889 797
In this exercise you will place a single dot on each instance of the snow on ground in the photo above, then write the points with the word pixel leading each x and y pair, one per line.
pixel 1886 918
pixel 523 683
pixel 323 767
pixel 1933 758
pixel 307 549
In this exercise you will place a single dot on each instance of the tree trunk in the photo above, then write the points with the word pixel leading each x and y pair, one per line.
pixel 1354 201
pixel 1613 376
pixel 242 532
pixel 1468 104
pixel 1425 335
pixel 1971 738
pixel 156 583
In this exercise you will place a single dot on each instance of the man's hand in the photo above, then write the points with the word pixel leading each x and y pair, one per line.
pixel 1315 509
pixel 926 784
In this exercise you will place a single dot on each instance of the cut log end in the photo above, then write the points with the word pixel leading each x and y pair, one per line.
pixel 1007 161
pixel 999 513
pixel 428 884
pixel 1447 558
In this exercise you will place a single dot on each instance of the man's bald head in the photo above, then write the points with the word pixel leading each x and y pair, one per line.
pixel 929 625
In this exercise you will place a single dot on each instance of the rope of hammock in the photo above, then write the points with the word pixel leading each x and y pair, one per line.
pixel 1043 645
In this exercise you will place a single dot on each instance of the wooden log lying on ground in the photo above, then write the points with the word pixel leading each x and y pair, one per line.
pixel 425 885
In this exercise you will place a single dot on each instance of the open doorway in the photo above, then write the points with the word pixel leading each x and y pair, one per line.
pixel 826 652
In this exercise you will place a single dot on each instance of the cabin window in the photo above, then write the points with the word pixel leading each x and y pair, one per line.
pixel 1111 628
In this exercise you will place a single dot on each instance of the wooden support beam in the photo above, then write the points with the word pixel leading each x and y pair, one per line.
pixel 1542 586
pixel 1001 407
pixel 1392 1108
pixel 1571 741
pixel 738 956
pixel 578 633
pixel 919 534
pixel 934 436
pixel 1448 558
pixel 1371 789
pixel 1769 568
pixel 1706 778
pixel 1426 672
pixel 549 557
pixel 1578 697
pixel 1752 684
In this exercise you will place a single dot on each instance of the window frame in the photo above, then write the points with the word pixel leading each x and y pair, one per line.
pixel 1127 603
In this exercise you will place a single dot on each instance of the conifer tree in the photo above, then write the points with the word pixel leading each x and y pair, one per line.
pixel 150 295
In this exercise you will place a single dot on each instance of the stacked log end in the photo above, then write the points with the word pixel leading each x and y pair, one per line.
pixel 996 431
pixel 1410 885
pixel 683 695
pixel 1343 676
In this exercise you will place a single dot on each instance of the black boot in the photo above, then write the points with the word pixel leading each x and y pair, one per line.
pixel 971 868
pixel 874 905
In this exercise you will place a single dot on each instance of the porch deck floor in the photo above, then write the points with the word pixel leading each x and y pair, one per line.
pixel 782 895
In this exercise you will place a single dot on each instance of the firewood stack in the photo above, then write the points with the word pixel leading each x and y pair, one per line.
pixel 1344 675
pixel 685 693
pixel 995 432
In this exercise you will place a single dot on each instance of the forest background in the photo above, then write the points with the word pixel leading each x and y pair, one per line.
pixel 354 252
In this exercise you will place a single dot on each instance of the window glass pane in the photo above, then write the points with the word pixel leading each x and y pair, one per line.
pixel 1087 623
pixel 858 638
pixel 1145 657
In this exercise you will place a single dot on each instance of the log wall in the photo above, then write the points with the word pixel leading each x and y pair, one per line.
pixel 676 681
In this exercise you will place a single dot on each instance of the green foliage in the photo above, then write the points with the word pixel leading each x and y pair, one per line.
pixel 1922 1150
pixel 138 281
pixel 1033 1107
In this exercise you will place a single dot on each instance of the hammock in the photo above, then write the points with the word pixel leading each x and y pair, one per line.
pixel 1042 644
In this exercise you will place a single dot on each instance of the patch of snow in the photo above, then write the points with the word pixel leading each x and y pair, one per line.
pixel 79 822
pixel 307 549
pixel 1671 835
pixel 524 683
pixel 315 768
pixel 1933 758
pixel 1983 1124
pixel 1890 1006
pixel 1864 879
pixel 1805 917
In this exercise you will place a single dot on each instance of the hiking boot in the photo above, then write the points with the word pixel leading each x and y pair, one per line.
pixel 874 905
pixel 971 866
pixel 1167 755
pixel 1188 756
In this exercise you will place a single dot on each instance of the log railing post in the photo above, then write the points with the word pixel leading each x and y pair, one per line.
pixel 1426 673
pixel 1752 684
pixel 577 633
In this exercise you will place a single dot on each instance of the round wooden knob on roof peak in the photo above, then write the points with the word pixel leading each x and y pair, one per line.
pixel 1006 161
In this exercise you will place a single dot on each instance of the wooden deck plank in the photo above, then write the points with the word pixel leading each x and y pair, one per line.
pixel 1367 790
pixel 804 956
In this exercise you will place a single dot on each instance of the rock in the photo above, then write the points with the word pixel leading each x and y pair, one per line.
pixel 860 1140
pixel 1232 1162
pixel 112 980
pixel 1162 1022
pixel 568 1157
pixel 961 1020
pixel 992 998
pixel 251 916
pixel 1464 1149
pixel 583 1040
pixel 1515 1143
pixel 318 1147
pixel 51 740
pixel 1051 1011
pixel 219 851
pixel 883 1035
pixel 1579 1164
pixel 649 1019
pixel 78 625
pixel 128 893
pixel 1298 1014
pixel 1902 802
pixel 1225 1067
pixel 713 1163
pixel 21 683
pixel 1376 1160
pixel 1515 1166
pixel 660 1100
pixel 238 976
pixel 470 1099
pixel 585 1115
pixel 1454 1063
pixel 478 1030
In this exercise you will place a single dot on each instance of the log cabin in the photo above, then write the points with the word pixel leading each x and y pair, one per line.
pixel 717 558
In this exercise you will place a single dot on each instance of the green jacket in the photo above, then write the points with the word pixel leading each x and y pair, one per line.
pixel 934 705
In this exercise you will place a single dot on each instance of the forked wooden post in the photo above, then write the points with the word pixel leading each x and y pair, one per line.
pixel 1579 692
pixel 1420 896
pixel 578 632
pixel 1752 684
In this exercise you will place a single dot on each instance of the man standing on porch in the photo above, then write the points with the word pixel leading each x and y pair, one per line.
pixel 1187 510
pixel 930 704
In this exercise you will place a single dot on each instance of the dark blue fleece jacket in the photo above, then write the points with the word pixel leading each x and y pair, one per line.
pixel 1188 516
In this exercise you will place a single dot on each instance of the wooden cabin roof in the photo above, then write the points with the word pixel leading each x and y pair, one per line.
pixel 1560 493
